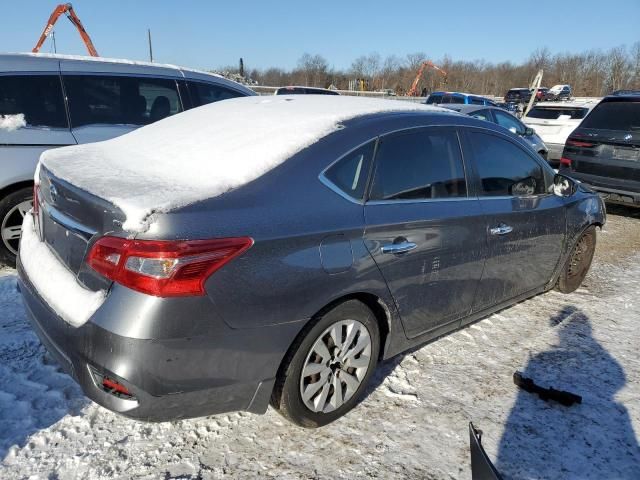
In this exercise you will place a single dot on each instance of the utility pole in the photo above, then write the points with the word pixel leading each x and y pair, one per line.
pixel 150 47
pixel 241 67
pixel 53 38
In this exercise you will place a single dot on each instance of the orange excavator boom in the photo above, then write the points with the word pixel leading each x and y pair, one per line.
pixel 67 9
pixel 413 91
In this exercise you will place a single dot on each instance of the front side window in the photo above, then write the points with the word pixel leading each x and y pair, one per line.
pixel 38 97
pixel 504 168
pixel 509 122
pixel 205 93
pixel 434 99
pixel 113 100
pixel 476 101
pixel 418 165
pixel 350 173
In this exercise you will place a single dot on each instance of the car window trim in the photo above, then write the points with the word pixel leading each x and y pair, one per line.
pixel 403 131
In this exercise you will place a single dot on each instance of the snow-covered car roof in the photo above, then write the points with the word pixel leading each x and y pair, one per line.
pixel 207 151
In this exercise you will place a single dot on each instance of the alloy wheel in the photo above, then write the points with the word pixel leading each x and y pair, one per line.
pixel 11 227
pixel 335 366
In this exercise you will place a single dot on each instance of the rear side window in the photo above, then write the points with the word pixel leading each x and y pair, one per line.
pixel 434 99
pixel 553 113
pixel 504 168
pixel 38 97
pixel 113 100
pixel 482 115
pixel 350 173
pixel 421 164
pixel 205 93
pixel 617 115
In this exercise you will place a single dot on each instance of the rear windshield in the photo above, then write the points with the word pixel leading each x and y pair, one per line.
pixel 434 99
pixel 618 115
pixel 553 113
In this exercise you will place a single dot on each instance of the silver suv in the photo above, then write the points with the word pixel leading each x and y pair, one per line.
pixel 48 101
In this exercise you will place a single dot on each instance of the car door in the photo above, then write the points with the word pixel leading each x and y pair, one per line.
pixel 103 106
pixel 525 227
pixel 423 229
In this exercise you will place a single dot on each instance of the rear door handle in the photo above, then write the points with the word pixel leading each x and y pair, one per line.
pixel 394 248
pixel 501 229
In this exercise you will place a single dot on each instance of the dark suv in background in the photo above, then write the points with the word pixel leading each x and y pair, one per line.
pixel 604 151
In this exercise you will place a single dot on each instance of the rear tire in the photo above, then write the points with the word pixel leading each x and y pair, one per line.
pixel 13 208
pixel 321 379
pixel 579 262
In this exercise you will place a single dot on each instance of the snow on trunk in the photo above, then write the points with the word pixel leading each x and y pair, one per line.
pixel 65 295
pixel 206 151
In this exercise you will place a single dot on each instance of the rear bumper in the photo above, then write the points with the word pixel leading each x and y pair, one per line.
pixel 170 378
pixel 611 190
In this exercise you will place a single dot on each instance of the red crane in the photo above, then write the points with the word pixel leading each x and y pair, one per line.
pixel 66 8
pixel 413 91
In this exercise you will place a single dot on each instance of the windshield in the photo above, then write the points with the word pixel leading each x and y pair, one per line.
pixel 617 115
pixel 553 113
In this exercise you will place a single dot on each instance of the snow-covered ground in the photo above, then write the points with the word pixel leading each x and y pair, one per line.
pixel 412 423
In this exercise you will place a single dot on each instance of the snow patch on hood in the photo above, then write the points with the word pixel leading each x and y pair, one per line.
pixel 54 282
pixel 207 151
pixel 10 123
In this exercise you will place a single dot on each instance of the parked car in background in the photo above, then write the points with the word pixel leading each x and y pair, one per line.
pixel 542 94
pixel 340 206
pixel 517 95
pixel 445 98
pixel 554 122
pixel 73 100
pixel 604 151
pixel 510 122
pixel 304 91
pixel 559 92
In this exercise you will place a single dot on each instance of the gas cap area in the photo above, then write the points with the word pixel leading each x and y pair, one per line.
pixel 336 255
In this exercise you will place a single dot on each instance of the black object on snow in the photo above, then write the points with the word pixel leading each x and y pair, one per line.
pixel 528 385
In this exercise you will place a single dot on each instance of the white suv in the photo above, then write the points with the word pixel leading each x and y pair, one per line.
pixel 554 122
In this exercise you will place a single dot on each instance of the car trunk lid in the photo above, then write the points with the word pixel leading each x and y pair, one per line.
pixel 70 220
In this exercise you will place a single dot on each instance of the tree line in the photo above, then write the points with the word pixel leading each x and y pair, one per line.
pixel 591 73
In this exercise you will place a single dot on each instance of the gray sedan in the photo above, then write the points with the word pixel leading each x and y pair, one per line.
pixel 505 119
pixel 393 227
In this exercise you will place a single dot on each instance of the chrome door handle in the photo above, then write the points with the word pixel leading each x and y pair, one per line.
pixel 501 229
pixel 398 247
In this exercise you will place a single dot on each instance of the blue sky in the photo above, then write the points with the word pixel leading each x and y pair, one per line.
pixel 208 34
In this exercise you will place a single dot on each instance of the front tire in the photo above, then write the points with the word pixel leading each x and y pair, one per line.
pixel 579 262
pixel 328 366
pixel 13 208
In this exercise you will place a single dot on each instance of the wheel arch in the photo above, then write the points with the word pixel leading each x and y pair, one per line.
pixel 14 187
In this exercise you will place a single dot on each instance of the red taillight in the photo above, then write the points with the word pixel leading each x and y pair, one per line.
pixel 578 143
pixel 164 268
pixel 114 387
pixel 565 161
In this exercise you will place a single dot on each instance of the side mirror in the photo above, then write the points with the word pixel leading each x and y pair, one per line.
pixel 528 131
pixel 563 186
